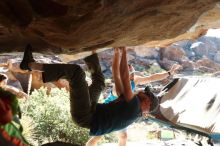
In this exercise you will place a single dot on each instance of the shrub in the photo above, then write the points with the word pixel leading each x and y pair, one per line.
pixel 52 119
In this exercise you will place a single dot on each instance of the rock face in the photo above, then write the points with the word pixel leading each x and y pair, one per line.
pixel 67 26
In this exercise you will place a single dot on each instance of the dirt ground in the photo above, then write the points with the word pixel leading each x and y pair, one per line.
pixel 142 134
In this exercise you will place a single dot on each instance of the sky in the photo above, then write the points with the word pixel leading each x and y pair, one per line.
pixel 213 33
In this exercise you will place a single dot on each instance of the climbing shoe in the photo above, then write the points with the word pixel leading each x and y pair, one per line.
pixel 27 58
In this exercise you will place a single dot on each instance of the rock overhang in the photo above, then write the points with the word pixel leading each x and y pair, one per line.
pixel 71 27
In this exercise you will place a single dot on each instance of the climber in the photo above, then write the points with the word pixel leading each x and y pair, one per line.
pixel 85 111
pixel 134 80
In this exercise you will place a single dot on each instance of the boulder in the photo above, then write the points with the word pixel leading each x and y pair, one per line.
pixel 70 27
pixel 173 53
pixel 207 63
pixel 151 53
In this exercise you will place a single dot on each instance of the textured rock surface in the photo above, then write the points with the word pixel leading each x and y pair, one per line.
pixel 67 26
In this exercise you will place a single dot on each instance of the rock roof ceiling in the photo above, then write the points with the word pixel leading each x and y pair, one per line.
pixel 73 26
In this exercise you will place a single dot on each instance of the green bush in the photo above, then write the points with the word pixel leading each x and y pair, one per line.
pixel 51 118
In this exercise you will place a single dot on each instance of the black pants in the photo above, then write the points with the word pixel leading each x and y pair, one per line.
pixel 83 98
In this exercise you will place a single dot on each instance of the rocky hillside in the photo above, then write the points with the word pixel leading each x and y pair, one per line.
pixel 197 57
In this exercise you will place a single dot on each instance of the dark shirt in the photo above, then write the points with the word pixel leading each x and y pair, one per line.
pixel 114 116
